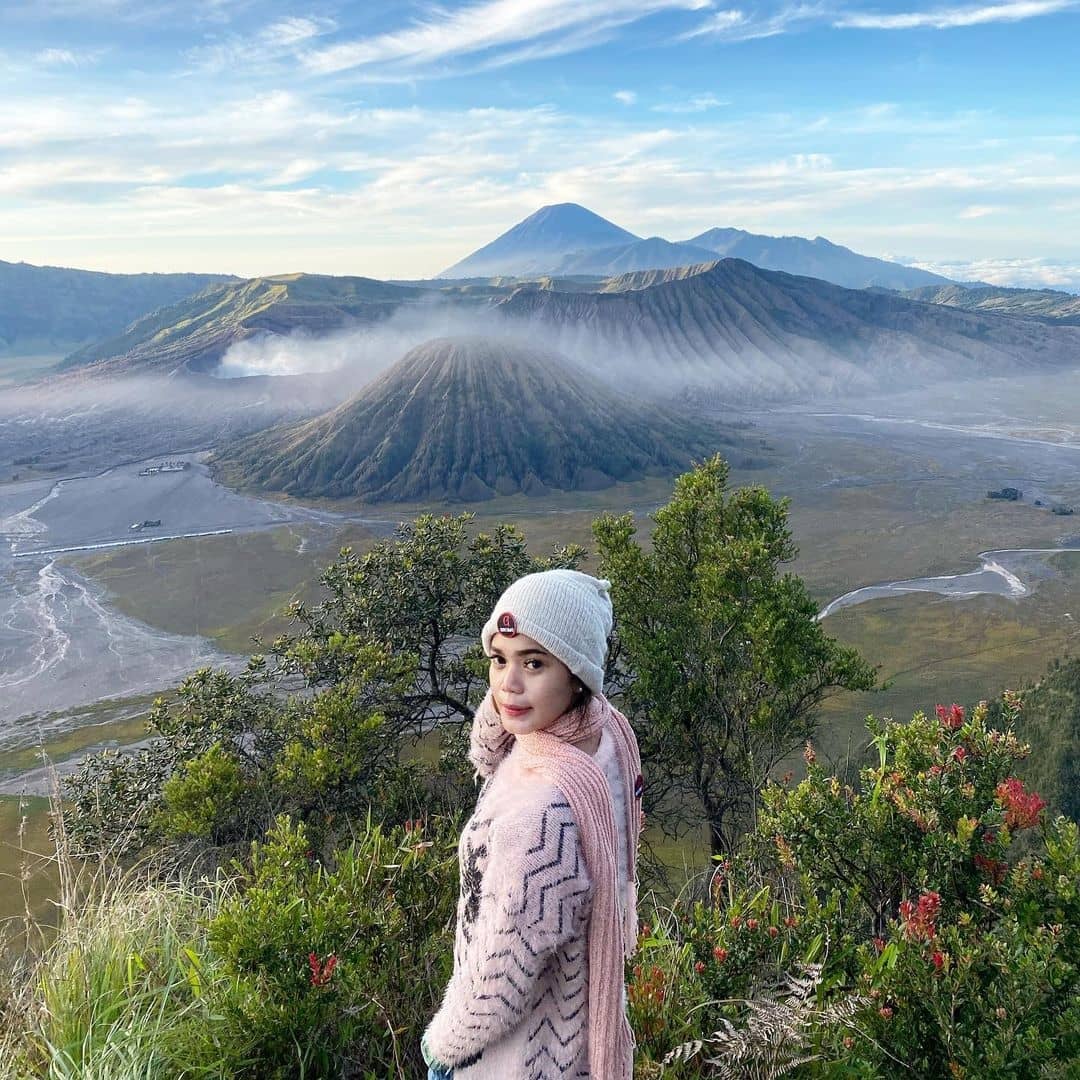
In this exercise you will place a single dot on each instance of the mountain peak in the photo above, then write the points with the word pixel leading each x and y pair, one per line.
pixel 528 247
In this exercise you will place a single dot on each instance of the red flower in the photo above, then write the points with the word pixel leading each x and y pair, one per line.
pixel 939 961
pixel 951 718
pixel 321 973
pixel 720 953
pixel 1022 808
pixel 959 754
pixel 699 967
pixel 886 1012
pixel 751 924
pixel 774 932
pixel 736 922
pixel 879 944
pixel 920 921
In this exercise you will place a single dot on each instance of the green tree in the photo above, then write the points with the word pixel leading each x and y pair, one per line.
pixel 317 729
pixel 425 595
pixel 728 661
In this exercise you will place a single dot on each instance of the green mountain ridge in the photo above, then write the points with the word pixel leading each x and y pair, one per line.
pixel 51 309
pixel 194 334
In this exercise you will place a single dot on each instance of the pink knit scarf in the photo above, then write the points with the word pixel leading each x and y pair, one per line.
pixel 583 783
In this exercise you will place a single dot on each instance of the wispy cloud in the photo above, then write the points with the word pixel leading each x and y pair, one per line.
pixel 282 39
pixel 479 27
pixel 973 213
pixel 734 24
pixel 951 18
pixel 697 104
pixel 625 97
pixel 56 56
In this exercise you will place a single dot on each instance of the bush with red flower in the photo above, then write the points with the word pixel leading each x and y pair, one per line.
pixel 940 901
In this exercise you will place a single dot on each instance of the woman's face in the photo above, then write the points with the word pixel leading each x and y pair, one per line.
pixel 531 688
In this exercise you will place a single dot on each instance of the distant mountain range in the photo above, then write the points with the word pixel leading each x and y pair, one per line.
pixel 48 309
pixel 568 239
pixel 727 328
pixel 468 419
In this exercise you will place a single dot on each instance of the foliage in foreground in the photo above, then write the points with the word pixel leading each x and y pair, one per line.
pixel 293 968
pixel 941 953
pixel 726 662
pixel 897 927
pixel 316 729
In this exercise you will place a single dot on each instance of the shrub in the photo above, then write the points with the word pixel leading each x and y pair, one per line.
pixel 334 969
pixel 942 907
pixel 297 967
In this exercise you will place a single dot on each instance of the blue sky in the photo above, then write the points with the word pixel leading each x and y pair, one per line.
pixel 392 139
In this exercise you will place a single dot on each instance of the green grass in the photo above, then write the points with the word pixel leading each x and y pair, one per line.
pixel 29 882
pixel 111 996
pixel 935 650
pixel 227 588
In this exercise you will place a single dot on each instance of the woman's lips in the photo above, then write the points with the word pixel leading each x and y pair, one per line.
pixel 513 710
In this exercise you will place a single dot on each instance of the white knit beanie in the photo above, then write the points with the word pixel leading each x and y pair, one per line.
pixel 566 611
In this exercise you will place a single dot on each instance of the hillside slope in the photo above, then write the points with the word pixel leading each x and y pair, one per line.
pixel 1031 303
pixel 753 334
pixel 51 309
pixel 466 419
pixel 194 334
pixel 651 254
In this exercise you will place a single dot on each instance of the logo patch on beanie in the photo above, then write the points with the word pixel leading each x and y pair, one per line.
pixel 507 624
pixel 639 786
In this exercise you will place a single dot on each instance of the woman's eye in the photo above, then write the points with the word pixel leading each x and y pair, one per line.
pixel 535 665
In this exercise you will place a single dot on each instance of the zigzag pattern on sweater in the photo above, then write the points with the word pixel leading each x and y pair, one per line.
pixel 521 965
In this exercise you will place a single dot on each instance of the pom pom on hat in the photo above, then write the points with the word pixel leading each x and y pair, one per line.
pixel 565 611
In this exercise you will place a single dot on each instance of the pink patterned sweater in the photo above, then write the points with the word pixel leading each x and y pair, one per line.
pixel 519 992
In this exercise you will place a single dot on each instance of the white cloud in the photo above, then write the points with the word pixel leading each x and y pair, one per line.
pixel 1018 273
pixel 56 56
pixel 281 40
pixel 625 97
pixel 950 18
pixel 491 24
pixel 697 104
pixel 294 30
pixel 973 213
pixel 735 25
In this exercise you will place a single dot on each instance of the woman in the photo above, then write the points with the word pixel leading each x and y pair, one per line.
pixel 547 911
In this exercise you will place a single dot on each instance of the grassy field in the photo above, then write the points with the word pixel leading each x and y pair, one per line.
pixel 226 588
pixel 28 878
pixel 898 516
